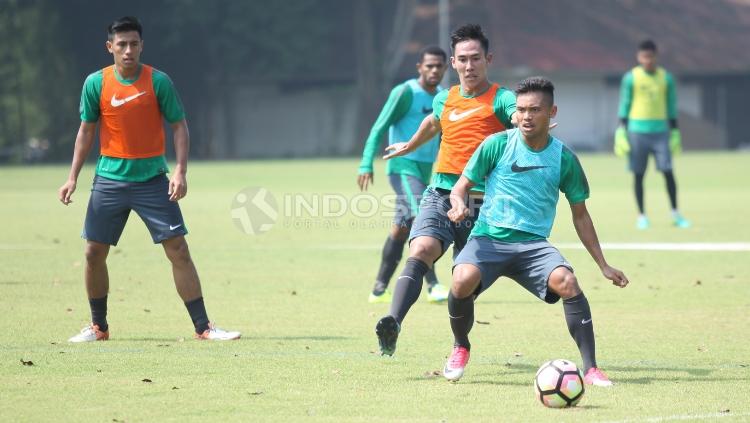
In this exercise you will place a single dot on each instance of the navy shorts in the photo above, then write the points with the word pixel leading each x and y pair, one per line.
pixel 528 263
pixel 643 145
pixel 111 202
pixel 409 191
pixel 433 221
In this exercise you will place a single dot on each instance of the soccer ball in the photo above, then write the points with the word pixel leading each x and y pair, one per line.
pixel 558 384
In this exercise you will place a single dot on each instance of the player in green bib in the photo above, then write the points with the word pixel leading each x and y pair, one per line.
pixel 648 125
pixel 524 170
pixel 406 107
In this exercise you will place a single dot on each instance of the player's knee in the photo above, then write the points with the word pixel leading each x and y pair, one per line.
pixel 566 284
pixel 177 250
pixel 96 253
pixel 424 250
pixel 466 278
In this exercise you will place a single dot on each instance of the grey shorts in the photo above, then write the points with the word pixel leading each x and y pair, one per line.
pixel 644 144
pixel 111 202
pixel 528 263
pixel 433 221
pixel 409 191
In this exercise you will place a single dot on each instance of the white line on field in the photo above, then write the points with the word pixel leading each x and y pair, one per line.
pixel 632 246
pixel 681 417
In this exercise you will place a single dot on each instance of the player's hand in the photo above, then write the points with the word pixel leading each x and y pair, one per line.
pixel 177 187
pixel 458 213
pixel 675 141
pixel 616 276
pixel 622 146
pixel 66 191
pixel 364 180
pixel 397 149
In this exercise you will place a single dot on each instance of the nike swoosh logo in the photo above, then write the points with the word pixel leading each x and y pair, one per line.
pixel 171 228
pixel 584 321
pixel 426 111
pixel 117 102
pixel 518 169
pixel 458 116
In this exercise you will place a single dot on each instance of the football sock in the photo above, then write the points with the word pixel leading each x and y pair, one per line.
pixel 578 317
pixel 461 313
pixel 671 188
pixel 198 314
pixel 408 287
pixel 431 279
pixel 639 191
pixel 392 252
pixel 99 312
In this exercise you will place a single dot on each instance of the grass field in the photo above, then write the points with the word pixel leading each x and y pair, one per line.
pixel 675 341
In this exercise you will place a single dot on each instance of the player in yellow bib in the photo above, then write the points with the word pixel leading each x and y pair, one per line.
pixel 648 125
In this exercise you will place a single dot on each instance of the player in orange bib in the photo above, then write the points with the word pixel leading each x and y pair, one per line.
pixel 466 115
pixel 130 100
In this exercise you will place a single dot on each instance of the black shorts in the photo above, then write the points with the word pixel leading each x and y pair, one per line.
pixel 111 202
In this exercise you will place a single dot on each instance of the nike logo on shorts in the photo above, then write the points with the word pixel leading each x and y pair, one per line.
pixel 171 228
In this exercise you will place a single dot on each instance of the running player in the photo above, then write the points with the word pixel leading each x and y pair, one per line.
pixel 131 100
pixel 407 106
pixel 466 114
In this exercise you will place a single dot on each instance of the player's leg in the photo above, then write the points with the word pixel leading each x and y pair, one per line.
pixel 164 221
pixel 564 283
pixel 478 265
pixel 663 157
pixel 414 189
pixel 390 257
pixel 638 159
pixel 106 215
pixel 430 235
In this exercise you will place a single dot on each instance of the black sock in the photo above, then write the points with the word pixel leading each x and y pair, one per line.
pixel 198 314
pixel 99 312
pixel 393 250
pixel 638 182
pixel 578 317
pixel 408 287
pixel 671 188
pixel 431 279
pixel 461 313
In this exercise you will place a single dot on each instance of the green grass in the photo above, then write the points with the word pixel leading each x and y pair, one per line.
pixel 675 341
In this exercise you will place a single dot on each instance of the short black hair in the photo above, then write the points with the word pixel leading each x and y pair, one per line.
pixel 124 24
pixel 433 50
pixel 469 32
pixel 537 84
pixel 647 45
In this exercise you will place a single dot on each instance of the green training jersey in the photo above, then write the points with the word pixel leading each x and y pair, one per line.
pixel 648 100
pixel 132 170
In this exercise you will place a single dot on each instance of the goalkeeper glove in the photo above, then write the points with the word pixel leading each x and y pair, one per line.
pixel 675 141
pixel 622 146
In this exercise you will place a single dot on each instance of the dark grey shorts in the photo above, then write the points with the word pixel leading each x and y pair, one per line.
pixel 409 191
pixel 433 221
pixel 528 263
pixel 643 144
pixel 111 202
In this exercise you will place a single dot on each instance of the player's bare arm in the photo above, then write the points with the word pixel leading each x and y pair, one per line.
pixel 587 234
pixel 178 181
pixel 84 141
pixel 429 127
pixel 459 211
